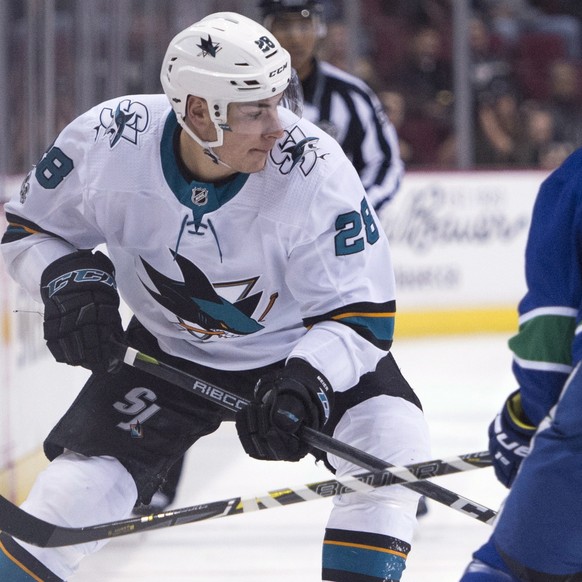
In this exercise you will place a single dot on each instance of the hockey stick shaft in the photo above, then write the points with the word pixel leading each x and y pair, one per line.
pixel 28 528
pixel 315 438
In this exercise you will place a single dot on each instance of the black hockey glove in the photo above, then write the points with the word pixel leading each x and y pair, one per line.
pixel 509 437
pixel 297 396
pixel 81 311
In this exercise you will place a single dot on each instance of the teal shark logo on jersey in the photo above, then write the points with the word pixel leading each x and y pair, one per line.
pixel 129 119
pixel 199 308
pixel 296 150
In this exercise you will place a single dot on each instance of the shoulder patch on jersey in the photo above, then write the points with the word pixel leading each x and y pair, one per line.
pixel 25 187
pixel 296 149
pixel 129 119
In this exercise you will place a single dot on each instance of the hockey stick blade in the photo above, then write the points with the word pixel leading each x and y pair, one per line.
pixel 321 441
pixel 22 525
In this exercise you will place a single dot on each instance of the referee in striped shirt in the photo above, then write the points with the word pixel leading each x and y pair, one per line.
pixel 341 104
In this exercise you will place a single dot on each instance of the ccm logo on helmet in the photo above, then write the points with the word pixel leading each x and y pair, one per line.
pixel 277 71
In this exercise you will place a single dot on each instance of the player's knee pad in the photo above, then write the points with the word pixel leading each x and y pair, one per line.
pixel 77 491
pixel 18 565
pixel 354 556
pixel 107 486
pixel 388 427
pixel 392 429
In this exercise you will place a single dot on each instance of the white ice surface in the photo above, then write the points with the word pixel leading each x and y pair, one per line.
pixel 462 382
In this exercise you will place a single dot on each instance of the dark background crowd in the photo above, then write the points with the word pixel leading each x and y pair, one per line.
pixel 59 57
pixel 525 70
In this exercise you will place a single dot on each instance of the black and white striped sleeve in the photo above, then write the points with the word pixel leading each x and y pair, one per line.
pixel 364 132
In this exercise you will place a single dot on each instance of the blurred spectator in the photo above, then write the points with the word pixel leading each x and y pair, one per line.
pixel 495 99
pixel 334 47
pixel 511 18
pixel 434 13
pixel 489 63
pixel 395 107
pixel 424 79
pixel 565 100
pixel 540 143
pixel 498 127
pixel 571 7
pixel 553 155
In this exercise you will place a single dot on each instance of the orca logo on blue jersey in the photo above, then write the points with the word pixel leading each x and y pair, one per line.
pixel 200 310
pixel 129 119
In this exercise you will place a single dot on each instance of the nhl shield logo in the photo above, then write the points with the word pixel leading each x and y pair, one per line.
pixel 199 196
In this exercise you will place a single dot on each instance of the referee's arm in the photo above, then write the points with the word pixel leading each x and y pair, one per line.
pixel 377 155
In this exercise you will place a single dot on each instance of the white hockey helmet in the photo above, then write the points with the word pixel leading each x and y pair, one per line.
pixel 223 58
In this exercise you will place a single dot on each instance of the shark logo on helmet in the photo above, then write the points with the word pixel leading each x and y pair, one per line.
pixel 208 47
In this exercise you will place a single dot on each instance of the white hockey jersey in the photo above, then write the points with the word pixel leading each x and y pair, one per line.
pixel 289 261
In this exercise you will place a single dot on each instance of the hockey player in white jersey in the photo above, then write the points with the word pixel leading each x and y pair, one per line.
pixel 343 106
pixel 242 239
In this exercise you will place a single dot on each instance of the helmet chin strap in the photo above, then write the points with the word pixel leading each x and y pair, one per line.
pixel 214 156
pixel 207 145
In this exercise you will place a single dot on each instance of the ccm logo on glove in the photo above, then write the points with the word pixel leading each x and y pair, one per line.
pixel 80 276
pixel 81 311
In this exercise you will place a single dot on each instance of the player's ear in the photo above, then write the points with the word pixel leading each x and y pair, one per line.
pixel 198 118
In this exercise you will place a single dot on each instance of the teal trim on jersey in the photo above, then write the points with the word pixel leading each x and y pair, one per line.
pixel 380 565
pixel 382 328
pixel 19 228
pixel 14 233
pixel 215 195
pixel 9 570
pixel 545 338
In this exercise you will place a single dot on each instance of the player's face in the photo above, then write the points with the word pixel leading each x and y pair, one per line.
pixel 254 129
pixel 298 35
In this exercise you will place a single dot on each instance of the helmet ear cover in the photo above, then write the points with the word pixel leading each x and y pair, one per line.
pixel 223 58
